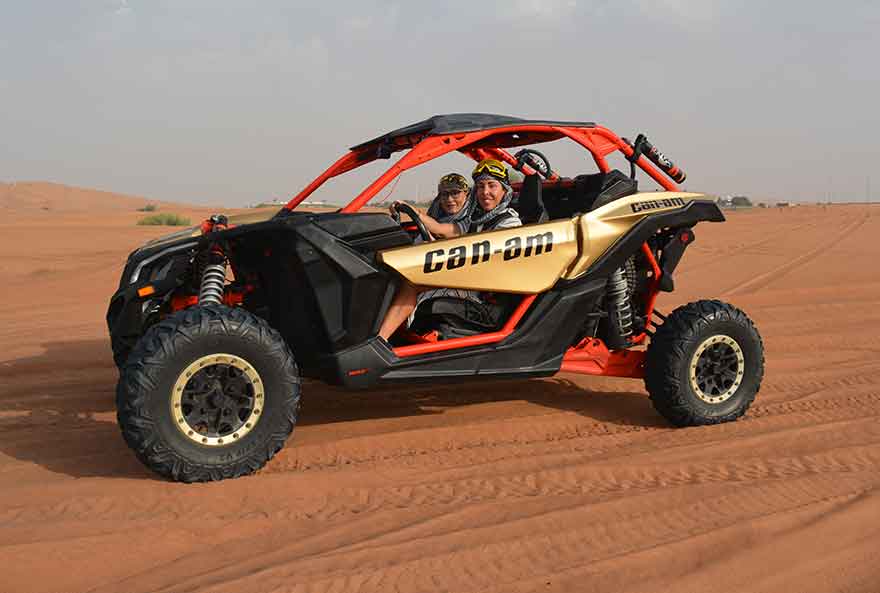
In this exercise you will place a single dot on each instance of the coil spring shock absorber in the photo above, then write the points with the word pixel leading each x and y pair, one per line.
pixel 214 269
pixel 619 310
pixel 213 279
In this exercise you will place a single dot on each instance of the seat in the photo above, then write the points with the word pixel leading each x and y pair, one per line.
pixel 588 192
pixel 529 204
pixel 614 185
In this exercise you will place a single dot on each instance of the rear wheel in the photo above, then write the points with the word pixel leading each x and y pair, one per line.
pixel 704 364
pixel 208 393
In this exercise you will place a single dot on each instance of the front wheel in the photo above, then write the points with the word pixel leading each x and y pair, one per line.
pixel 705 364
pixel 208 393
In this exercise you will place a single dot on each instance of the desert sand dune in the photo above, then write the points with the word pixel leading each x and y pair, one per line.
pixel 25 196
pixel 560 484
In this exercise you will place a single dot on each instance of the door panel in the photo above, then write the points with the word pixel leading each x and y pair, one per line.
pixel 525 259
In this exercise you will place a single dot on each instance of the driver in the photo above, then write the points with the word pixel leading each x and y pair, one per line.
pixel 492 195
pixel 452 205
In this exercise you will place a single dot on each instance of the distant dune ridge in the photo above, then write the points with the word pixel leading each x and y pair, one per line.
pixel 43 195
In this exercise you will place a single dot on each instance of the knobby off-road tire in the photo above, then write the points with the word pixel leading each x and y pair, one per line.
pixel 208 393
pixel 705 364
pixel 121 350
pixel 123 345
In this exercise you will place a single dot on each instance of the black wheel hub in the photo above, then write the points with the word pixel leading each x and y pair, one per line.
pixel 217 400
pixel 717 369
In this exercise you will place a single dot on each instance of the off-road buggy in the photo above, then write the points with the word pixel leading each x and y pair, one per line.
pixel 213 327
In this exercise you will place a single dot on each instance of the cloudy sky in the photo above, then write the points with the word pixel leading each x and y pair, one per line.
pixel 226 102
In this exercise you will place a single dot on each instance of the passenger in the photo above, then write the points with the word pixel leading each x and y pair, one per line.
pixel 492 195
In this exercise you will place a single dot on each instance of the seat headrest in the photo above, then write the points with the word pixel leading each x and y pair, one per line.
pixel 530 205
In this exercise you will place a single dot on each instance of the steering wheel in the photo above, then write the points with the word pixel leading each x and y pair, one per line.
pixel 410 211
pixel 535 160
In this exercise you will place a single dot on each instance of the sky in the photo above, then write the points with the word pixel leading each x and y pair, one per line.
pixel 232 103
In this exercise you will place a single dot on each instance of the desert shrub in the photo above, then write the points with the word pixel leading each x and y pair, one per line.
pixel 149 208
pixel 165 219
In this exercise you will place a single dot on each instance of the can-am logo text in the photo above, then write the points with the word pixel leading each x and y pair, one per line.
pixel 480 252
pixel 653 204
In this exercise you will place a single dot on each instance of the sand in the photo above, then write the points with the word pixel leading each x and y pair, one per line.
pixel 562 484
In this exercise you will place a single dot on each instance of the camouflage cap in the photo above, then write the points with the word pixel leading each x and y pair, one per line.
pixel 453 182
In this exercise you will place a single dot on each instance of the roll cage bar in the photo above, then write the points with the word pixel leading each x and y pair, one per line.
pixel 487 143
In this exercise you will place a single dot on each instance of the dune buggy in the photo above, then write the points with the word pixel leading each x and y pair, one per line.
pixel 213 327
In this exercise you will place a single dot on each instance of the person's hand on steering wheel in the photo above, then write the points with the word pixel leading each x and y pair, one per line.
pixel 395 211
pixel 415 214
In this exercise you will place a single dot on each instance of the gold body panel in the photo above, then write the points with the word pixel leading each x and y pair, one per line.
pixel 602 227
pixel 531 258
pixel 526 259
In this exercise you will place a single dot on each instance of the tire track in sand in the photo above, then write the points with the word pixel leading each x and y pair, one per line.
pixel 763 280
pixel 397 557
pixel 740 249
pixel 489 478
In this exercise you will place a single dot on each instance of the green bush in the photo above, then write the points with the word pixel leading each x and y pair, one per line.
pixel 148 208
pixel 165 219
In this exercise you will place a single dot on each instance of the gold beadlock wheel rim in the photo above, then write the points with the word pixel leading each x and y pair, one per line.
pixel 217 400
pixel 717 369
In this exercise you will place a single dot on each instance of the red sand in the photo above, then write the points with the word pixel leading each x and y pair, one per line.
pixel 562 484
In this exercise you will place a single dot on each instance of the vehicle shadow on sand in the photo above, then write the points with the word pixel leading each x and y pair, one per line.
pixel 57 409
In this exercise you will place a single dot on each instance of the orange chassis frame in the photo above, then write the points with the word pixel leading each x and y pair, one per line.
pixel 590 356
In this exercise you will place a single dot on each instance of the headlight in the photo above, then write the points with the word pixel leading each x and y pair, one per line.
pixel 158 272
pixel 159 269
